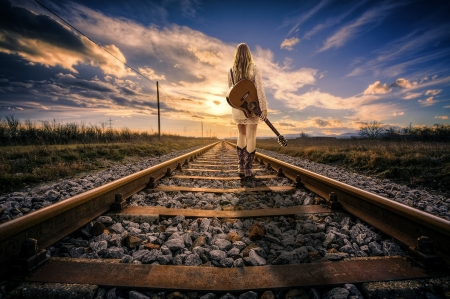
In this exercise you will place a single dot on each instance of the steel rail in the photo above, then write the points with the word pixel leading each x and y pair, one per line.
pixel 397 220
pixel 50 224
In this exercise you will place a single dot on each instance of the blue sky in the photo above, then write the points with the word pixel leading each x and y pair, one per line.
pixel 327 66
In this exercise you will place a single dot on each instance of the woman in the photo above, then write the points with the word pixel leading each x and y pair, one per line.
pixel 244 68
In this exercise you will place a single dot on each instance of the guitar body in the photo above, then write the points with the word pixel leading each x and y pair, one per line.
pixel 243 96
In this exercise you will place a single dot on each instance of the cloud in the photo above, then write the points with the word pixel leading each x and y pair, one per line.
pixel 40 39
pixel 448 106
pixel 399 113
pixel 289 43
pixel 443 117
pixel 377 88
pixel 428 102
pixel 403 83
pixel 149 73
pixel 373 16
pixel 433 92
pixel 410 96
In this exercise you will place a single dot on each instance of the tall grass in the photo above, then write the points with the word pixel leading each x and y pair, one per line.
pixel 418 164
pixel 15 132
pixel 31 153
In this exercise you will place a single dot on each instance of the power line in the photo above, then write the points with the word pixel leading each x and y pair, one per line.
pixel 124 63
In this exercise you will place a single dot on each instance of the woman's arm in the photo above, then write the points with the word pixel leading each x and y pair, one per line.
pixel 260 91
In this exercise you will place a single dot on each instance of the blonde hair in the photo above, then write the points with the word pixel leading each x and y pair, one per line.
pixel 242 63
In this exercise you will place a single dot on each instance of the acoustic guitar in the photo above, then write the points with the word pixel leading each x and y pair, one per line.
pixel 243 96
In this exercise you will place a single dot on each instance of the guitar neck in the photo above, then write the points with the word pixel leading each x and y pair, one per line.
pixel 272 127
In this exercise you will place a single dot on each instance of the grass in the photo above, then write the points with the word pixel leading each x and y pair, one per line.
pixel 29 165
pixel 417 164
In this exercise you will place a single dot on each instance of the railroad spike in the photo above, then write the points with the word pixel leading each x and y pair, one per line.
pixel 333 202
pixel 119 203
pixel 168 172
pixel 186 163
pixel 424 256
pixel 29 258
pixel 151 183
pixel 280 172
pixel 191 159
pixel 298 182
pixel 179 166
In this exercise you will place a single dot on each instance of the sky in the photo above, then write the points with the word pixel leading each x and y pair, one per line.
pixel 328 66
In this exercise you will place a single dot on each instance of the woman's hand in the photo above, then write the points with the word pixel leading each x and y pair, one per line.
pixel 263 115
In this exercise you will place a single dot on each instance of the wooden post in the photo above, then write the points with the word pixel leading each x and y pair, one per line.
pixel 159 114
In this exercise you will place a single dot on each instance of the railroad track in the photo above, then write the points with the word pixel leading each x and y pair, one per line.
pixel 263 225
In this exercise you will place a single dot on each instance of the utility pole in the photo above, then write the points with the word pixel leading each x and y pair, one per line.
pixel 110 126
pixel 159 114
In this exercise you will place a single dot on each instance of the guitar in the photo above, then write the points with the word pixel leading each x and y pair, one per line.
pixel 243 96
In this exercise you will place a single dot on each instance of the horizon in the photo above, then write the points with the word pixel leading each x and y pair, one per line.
pixel 327 67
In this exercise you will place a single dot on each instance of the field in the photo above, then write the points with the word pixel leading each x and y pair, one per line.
pixel 27 165
pixel 414 163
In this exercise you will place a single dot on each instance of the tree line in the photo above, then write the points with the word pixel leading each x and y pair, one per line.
pixel 378 130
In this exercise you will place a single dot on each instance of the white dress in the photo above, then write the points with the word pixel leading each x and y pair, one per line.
pixel 238 115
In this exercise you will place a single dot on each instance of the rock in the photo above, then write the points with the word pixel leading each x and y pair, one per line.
pixel 247 249
pixel 200 241
pixel 164 259
pixel 238 263
pixel 354 292
pixel 227 296
pixel 255 259
pixel 151 246
pixel 175 244
pixel 111 294
pixel 296 294
pixel 193 260
pixel 208 296
pixel 76 252
pixel 204 225
pixel 336 293
pixel 132 241
pixel 249 295
pixel 106 220
pixel 391 248
pixel 233 237
pixel 335 256
pixel 127 259
pixel 375 248
pixel 117 228
pixel 177 295
pixel 256 232
pixel 97 229
pixel 97 246
pixel 139 254
pixel 239 245
pixel 267 295
pixel 223 244
pixel 217 255
pixel 137 295
pixel 295 256
pixel 115 252
pixel 151 256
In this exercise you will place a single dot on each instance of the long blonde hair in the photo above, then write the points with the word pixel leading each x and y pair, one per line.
pixel 242 63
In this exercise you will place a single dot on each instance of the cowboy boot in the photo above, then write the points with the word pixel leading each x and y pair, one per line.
pixel 241 155
pixel 249 163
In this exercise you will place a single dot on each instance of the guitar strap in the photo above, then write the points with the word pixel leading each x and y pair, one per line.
pixel 232 78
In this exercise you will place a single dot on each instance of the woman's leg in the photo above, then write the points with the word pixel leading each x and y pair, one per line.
pixel 241 147
pixel 251 137
pixel 242 138
pixel 251 148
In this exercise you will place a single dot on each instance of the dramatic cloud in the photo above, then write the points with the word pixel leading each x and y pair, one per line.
pixel 377 88
pixel 289 43
pixel 40 39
